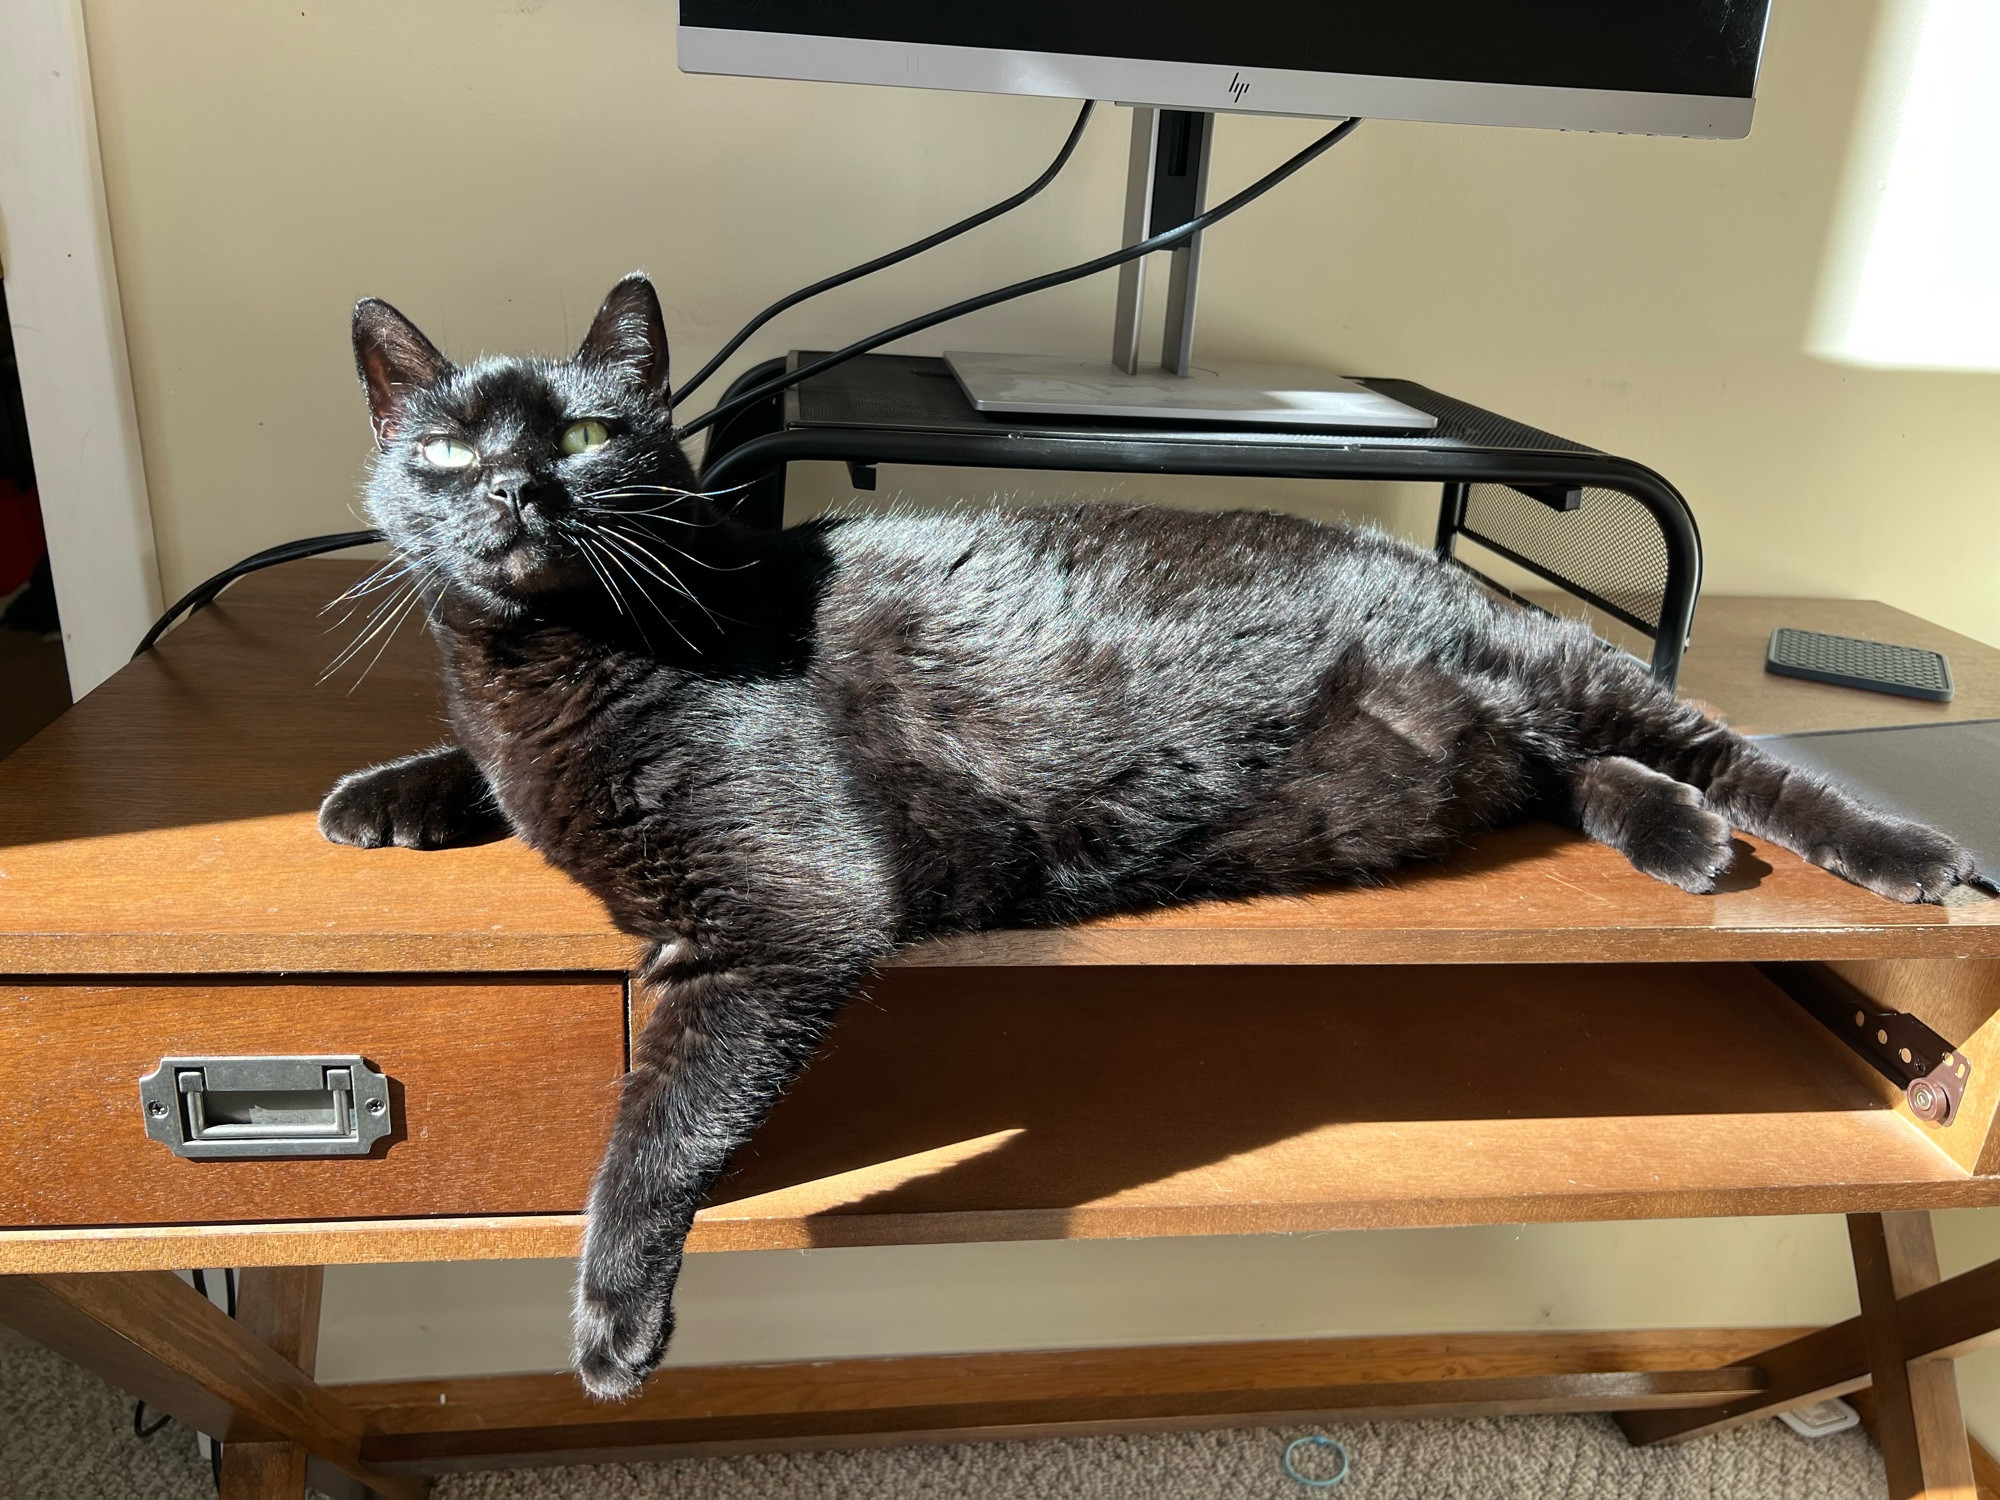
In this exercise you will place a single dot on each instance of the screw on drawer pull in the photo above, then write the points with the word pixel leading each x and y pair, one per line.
pixel 230 1108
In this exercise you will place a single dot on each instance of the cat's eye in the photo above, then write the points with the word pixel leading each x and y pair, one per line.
pixel 586 436
pixel 447 453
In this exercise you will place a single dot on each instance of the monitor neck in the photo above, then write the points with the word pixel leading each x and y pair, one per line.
pixel 1166 184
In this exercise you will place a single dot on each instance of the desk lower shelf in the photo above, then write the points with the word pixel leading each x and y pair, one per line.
pixel 1128 1102
pixel 977 1104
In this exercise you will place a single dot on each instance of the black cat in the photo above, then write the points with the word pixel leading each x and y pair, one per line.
pixel 780 757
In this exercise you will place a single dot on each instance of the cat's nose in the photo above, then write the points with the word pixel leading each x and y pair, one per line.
pixel 504 495
pixel 523 499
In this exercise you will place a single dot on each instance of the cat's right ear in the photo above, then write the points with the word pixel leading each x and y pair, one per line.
pixel 394 359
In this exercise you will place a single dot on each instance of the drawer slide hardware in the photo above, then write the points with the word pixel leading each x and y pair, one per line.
pixel 236 1108
pixel 1930 1071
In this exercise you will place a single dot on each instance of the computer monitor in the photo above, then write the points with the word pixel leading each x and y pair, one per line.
pixel 1657 67
pixel 1660 67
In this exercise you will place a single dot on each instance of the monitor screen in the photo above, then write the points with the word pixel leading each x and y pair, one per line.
pixel 1673 67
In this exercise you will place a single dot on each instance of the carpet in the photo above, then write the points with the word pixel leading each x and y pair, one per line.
pixel 66 1435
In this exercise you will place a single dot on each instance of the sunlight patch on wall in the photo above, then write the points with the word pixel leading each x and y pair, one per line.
pixel 1912 275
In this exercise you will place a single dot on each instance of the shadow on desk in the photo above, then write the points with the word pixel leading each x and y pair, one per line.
pixel 948 1092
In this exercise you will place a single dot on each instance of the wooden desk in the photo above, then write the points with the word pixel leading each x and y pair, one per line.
pixel 1530 1031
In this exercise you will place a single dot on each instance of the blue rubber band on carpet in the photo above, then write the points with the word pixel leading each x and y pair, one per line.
pixel 1314 1441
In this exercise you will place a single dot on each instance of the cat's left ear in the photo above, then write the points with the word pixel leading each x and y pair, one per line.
pixel 629 332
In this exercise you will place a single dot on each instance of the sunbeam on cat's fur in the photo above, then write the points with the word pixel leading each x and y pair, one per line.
pixel 778 757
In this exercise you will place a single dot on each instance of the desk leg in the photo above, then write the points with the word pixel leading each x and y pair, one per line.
pixel 1919 1425
pixel 1911 1327
pixel 280 1305
pixel 152 1335
pixel 263 1471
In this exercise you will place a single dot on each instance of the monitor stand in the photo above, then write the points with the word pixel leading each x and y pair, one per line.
pixel 1166 185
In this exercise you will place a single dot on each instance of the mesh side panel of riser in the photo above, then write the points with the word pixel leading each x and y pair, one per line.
pixel 1609 546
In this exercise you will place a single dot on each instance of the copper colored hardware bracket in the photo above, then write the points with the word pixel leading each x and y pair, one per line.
pixel 1930 1071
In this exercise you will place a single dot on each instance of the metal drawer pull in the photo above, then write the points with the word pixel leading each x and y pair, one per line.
pixel 234 1107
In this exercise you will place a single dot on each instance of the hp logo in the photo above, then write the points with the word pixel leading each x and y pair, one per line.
pixel 1238 87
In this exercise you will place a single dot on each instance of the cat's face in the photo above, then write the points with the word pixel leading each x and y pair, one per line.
pixel 501 476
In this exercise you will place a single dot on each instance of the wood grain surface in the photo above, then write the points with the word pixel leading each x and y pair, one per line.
pixel 279 1305
pixel 1827 1362
pixel 621 1439
pixel 157 1338
pixel 165 825
pixel 331 1242
pixel 1917 1418
pixel 1725 667
pixel 1960 1000
pixel 963 1105
pixel 484 1421
pixel 1936 1322
pixel 502 1089
pixel 408 1406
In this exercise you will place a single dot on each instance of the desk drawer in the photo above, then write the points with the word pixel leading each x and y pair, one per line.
pixel 501 1094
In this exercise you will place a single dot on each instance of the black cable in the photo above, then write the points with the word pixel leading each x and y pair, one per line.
pixel 141 1428
pixel 203 594
pixel 1161 241
pixel 894 257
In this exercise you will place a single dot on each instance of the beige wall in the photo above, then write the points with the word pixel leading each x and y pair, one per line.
pixel 410 1322
pixel 401 1322
pixel 491 165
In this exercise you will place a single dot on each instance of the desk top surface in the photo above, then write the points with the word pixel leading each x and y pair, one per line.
pixel 166 825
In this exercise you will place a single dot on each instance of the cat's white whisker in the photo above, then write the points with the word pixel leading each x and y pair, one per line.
pixel 613 557
pixel 380 607
pixel 702 562
pixel 380 577
pixel 402 614
pixel 656 567
pixel 636 488
pixel 384 612
pixel 589 556
pixel 388 613
pixel 648 513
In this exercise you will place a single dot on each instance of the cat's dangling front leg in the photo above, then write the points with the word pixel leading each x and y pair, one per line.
pixel 430 800
pixel 727 1033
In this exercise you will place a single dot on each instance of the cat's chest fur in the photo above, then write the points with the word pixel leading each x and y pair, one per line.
pixel 548 716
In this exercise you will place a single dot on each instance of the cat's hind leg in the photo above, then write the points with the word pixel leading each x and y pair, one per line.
pixel 1888 855
pixel 1662 825
pixel 1616 711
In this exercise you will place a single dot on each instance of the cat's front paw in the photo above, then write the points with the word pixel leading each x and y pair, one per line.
pixel 425 801
pixel 1903 861
pixel 380 806
pixel 619 1338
